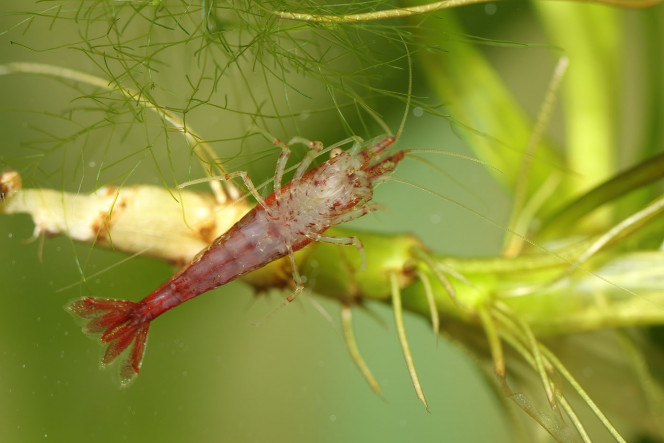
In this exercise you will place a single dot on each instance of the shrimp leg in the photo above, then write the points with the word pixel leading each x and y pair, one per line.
pixel 342 241
pixel 357 213
pixel 299 287
pixel 315 147
pixel 248 183
pixel 281 166
pixel 348 240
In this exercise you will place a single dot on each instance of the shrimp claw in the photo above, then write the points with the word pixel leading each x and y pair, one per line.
pixel 120 327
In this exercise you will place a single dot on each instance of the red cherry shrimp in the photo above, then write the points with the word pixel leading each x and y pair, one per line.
pixel 295 214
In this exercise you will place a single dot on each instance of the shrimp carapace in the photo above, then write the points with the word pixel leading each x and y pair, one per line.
pixel 336 191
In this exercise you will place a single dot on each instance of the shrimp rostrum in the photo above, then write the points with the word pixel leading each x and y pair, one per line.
pixel 295 214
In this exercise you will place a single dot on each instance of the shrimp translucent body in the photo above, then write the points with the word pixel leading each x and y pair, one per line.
pixel 296 214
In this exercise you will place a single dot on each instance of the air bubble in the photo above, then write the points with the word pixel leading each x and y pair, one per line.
pixel 418 111
pixel 490 8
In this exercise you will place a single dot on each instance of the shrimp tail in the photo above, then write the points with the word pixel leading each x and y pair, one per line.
pixel 120 327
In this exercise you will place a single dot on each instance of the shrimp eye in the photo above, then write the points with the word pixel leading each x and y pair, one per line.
pixel 336 152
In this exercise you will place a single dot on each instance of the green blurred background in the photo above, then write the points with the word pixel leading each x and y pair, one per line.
pixel 209 374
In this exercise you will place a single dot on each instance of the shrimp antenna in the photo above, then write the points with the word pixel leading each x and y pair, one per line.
pixel 447 175
pixel 453 154
pixel 375 116
pixel 410 88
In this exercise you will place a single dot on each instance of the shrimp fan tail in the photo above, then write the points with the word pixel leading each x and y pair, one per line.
pixel 119 327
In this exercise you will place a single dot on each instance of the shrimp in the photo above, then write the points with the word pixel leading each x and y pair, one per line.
pixel 338 190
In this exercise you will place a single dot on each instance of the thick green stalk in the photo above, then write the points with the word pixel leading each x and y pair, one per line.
pixel 584 301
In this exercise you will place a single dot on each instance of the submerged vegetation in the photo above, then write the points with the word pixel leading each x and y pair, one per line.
pixel 563 318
